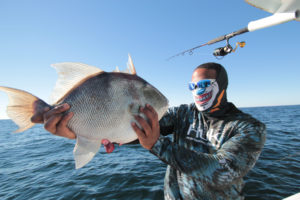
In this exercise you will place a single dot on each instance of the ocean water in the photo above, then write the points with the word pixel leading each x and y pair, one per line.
pixel 38 165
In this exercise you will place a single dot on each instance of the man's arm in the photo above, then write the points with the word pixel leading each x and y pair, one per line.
pixel 167 122
pixel 236 157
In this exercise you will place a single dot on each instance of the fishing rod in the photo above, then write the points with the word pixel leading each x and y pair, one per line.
pixel 272 20
pixel 221 51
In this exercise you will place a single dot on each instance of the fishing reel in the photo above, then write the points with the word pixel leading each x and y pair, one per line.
pixel 223 51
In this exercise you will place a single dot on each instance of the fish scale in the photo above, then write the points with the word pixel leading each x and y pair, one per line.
pixel 112 111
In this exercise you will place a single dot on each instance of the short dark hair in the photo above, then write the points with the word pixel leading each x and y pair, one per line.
pixel 211 65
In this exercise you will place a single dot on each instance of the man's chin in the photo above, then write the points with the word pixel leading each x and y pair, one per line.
pixel 201 103
pixel 201 107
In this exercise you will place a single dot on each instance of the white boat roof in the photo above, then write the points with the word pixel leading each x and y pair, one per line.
pixel 277 6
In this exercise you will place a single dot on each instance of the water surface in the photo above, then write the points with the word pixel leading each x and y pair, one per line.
pixel 37 165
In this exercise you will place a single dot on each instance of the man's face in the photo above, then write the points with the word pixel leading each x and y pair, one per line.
pixel 206 88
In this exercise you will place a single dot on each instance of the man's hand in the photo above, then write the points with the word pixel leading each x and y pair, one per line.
pixel 55 122
pixel 150 131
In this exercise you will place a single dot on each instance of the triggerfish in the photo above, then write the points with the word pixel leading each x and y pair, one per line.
pixel 103 103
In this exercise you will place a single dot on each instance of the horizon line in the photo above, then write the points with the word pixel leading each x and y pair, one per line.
pixel 237 107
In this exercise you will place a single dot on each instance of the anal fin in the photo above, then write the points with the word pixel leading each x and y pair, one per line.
pixel 85 150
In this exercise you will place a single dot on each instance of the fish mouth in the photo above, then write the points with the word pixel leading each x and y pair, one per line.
pixel 204 98
pixel 109 146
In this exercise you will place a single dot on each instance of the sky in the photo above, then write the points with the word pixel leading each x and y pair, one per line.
pixel 35 34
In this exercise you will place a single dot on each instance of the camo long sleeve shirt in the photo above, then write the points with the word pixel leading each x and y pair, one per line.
pixel 207 157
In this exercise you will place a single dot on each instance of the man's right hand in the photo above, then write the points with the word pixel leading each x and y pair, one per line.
pixel 55 122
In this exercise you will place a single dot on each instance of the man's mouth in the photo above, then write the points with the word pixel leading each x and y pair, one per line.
pixel 204 98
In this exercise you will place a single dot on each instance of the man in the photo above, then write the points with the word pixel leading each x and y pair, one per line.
pixel 214 144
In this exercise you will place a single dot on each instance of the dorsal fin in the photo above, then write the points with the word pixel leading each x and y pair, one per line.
pixel 130 65
pixel 69 75
pixel 117 69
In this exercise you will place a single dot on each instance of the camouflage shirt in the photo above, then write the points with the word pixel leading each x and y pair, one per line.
pixel 208 156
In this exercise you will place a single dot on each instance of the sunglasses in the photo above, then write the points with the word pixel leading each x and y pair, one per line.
pixel 201 84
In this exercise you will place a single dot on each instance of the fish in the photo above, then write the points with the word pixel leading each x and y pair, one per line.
pixel 103 103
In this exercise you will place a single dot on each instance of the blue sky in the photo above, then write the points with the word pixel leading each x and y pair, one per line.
pixel 35 34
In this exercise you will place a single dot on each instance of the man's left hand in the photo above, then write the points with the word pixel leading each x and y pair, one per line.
pixel 150 131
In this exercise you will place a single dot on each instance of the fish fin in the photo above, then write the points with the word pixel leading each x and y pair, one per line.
pixel 69 76
pixel 85 150
pixel 117 69
pixel 21 107
pixel 134 109
pixel 130 65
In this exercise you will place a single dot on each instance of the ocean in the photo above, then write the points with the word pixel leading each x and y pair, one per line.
pixel 37 165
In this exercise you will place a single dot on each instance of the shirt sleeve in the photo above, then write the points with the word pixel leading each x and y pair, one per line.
pixel 232 161
pixel 167 122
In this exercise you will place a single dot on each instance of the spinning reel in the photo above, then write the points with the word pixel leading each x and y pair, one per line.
pixel 223 51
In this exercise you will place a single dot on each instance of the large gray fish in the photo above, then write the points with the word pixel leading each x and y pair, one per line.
pixel 103 105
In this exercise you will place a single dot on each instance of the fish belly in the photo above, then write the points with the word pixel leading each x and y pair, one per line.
pixel 96 125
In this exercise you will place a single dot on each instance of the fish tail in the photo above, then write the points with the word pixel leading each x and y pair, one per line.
pixel 21 107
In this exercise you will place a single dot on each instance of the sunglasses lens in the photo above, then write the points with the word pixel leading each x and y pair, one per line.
pixel 203 83
pixel 192 86
pixel 200 84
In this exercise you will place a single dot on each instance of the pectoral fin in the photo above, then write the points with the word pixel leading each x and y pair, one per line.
pixel 134 109
pixel 84 151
